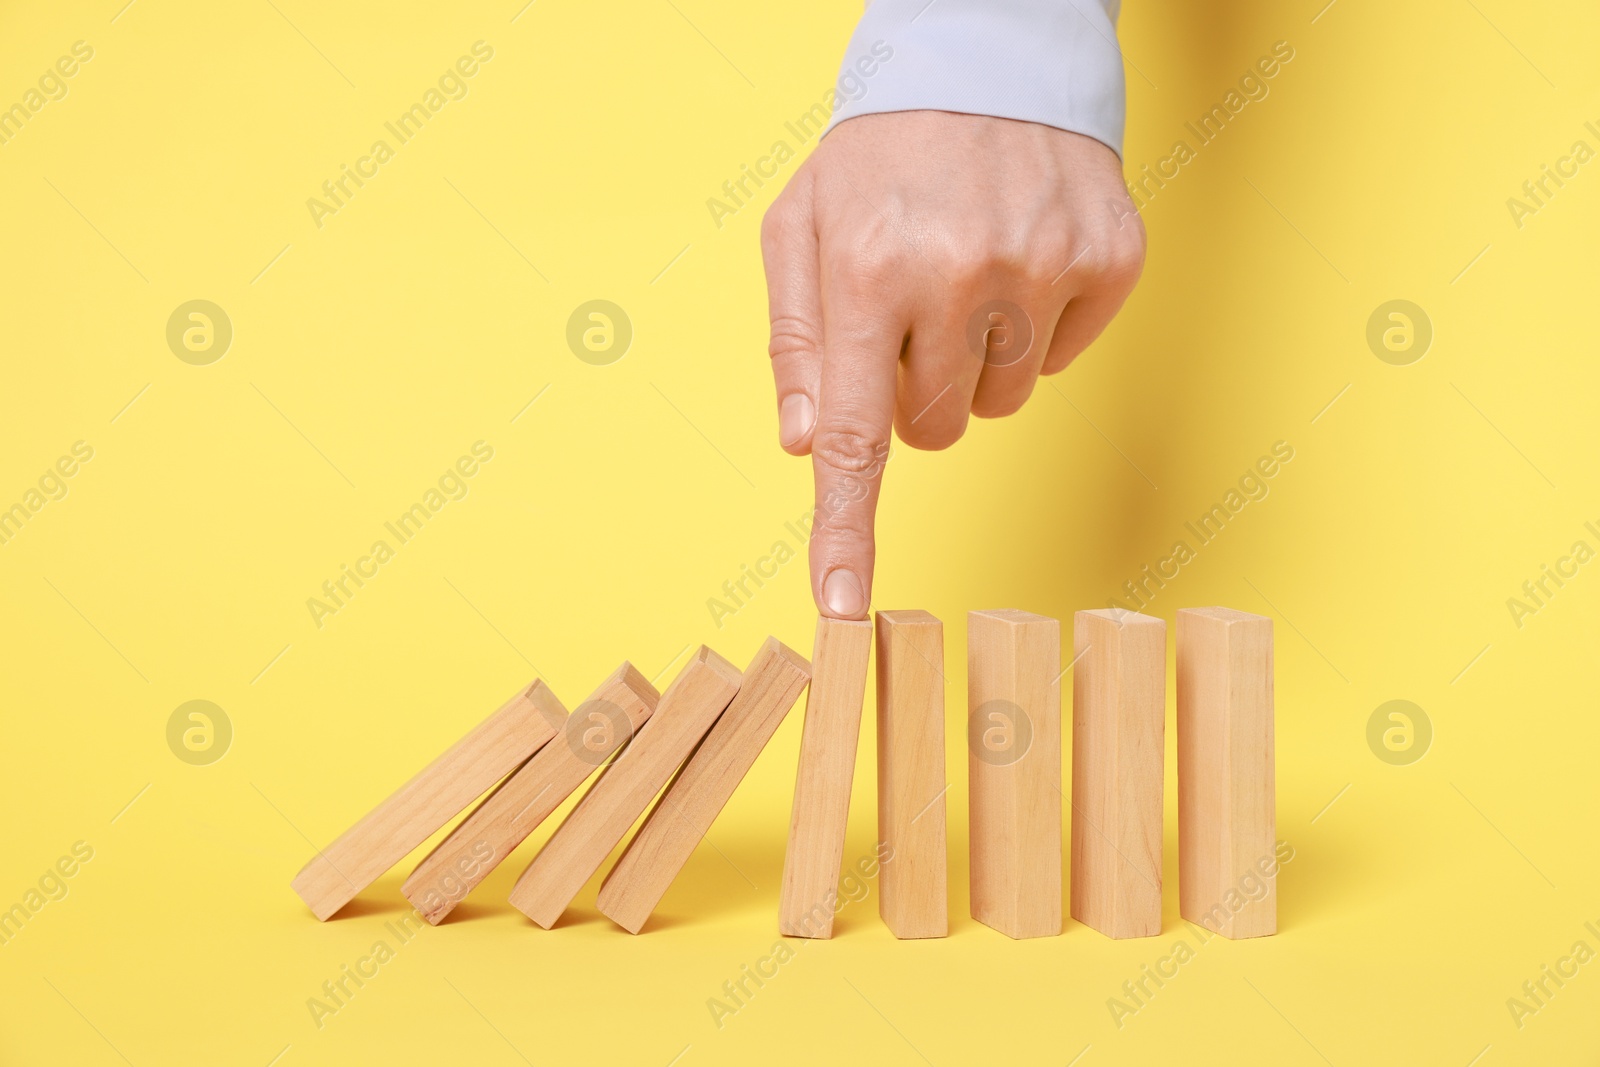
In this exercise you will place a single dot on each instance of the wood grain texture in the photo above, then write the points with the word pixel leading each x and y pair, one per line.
pixel 694 700
pixel 1227 820
pixel 811 863
pixel 441 790
pixel 1119 706
pixel 913 883
pixel 504 818
pixel 770 686
pixel 1014 770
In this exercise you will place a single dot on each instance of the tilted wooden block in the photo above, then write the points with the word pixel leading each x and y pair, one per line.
pixel 416 810
pixel 1118 742
pixel 913 885
pixel 589 736
pixel 1227 820
pixel 591 830
pixel 811 862
pixel 1014 767
pixel 698 792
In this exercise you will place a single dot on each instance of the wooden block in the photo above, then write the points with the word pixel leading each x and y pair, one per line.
pixel 913 886
pixel 1014 767
pixel 1118 742
pixel 416 810
pixel 1227 820
pixel 811 862
pixel 591 830
pixel 683 814
pixel 589 736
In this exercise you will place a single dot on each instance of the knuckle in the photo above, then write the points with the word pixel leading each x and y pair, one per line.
pixel 881 267
pixel 1021 256
pixel 994 409
pixel 1046 260
pixel 1005 406
pixel 793 336
pixel 1060 357
pixel 1000 403
pixel 778 225
pixel 931 436
pixel 1116 255
pixel 977 273
pixel 850 449
pixel 772 224
pixel 981 261
pixel 868 253
pixel 1125 261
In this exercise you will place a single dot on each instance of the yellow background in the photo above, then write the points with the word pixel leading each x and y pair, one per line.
pixel 377 349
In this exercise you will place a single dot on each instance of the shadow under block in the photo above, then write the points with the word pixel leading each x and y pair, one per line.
pixel 685 812
pixel 1119 710
pixel 1014 771
pixel 417 810
pixel 1227 822
pixel 913 883
pixel 504 818
pixel 592 829
pixel 811 862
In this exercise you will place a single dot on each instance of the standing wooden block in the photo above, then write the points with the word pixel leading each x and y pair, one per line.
pixel 592 829
pixel 822 783
pixel 769 688
pixel 1014 768
pixel 416 810
pixel 913 886
pixel 1118 742
pixel 1227 819
pixel 589 736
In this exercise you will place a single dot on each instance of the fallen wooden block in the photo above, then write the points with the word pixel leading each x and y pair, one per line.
pixel 1227 821
pixel 698 792
pixel 589 736
pixel 417 810
pixel 1118 743
pixel 811 862
pixel 913 887
pixel 1014 767
pixel 591 830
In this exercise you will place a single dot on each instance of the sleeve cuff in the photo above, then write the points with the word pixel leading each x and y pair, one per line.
pixel 1054 62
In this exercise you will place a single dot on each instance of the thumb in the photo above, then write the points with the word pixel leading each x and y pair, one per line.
pixel 789 251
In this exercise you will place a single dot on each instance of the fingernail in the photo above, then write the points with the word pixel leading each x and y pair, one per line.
pixel 795 417
pixel 844 594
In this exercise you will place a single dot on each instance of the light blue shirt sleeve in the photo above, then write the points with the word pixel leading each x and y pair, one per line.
pixel 1054 62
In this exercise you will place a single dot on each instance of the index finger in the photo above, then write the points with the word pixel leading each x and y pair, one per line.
pixel 862 339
